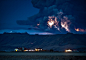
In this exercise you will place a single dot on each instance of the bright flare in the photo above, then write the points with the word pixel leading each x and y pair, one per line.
pixel 50 23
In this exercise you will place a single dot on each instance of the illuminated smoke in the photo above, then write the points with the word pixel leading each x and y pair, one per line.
pixel 80 30
pixel 65 23
pixel 50 23
pixel 57 16
pixel 55 22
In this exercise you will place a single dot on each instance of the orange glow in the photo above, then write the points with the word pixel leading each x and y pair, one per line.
pixel 77 29
pixel 37 49
pixel 81 30
pixel 25 50
pixel 50 23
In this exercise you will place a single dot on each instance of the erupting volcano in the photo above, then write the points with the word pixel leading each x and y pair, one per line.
pixel 57 16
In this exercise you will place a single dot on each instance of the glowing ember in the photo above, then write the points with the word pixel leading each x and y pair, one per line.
pixel 81 30
pixel 50 23
pixel 77 29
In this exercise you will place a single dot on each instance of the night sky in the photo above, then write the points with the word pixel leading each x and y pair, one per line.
pixel 43 17
pixel 13 10
pixel 53 16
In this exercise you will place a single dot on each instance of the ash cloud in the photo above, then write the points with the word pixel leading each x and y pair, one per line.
pixel 66 15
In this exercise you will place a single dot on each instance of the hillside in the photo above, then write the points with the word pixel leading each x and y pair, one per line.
pixel 9 41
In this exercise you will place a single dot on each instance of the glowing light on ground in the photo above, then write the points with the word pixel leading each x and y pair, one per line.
pixel 69 50
pixel 16 50
pixel 38 49
pixel 26 50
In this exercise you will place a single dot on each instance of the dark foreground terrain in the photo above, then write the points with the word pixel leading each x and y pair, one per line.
pixel 41 56
pixel 10 41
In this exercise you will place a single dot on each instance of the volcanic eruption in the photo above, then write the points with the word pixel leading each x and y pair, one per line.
pixel 58 16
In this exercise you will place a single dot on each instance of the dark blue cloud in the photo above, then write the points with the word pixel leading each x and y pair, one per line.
pixel 12 10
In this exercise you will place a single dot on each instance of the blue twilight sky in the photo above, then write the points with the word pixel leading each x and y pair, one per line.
pixel 12 10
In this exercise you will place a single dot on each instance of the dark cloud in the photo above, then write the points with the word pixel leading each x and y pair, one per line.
pixel 70 14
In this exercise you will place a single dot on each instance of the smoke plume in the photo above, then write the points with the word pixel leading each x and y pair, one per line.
pixel 58 16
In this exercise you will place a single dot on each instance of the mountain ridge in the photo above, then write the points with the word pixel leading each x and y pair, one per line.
pixel 56 42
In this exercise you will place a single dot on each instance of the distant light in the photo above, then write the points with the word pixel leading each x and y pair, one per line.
pixel 38 49
pixel 26 50
pixel 68 50
pixel 31 50
pixel 16 49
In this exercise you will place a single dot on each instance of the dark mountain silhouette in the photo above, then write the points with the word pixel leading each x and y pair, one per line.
pixel 9 41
